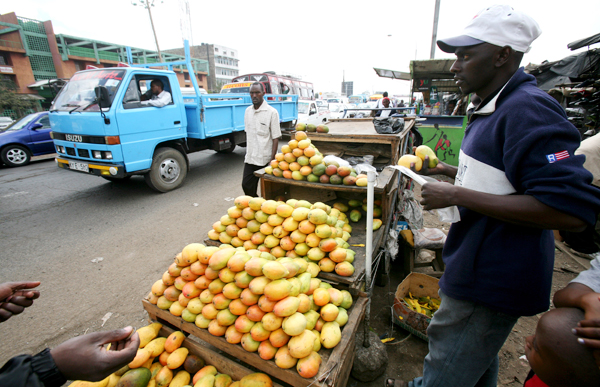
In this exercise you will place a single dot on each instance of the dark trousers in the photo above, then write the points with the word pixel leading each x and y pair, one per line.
pixel 250 181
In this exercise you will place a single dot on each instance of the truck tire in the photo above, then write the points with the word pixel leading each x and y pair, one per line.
pixel 168 170
pixel 15 156
pixel 229 150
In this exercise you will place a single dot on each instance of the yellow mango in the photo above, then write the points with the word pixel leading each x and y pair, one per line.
pixel 177 357
pixel 114 379
pixel 422 151
pixel 135 378
pixel 256 380
pixel 164 377
pixel 140 358
pixel 206 381
pixel 148 333
pixel 223 380
pixel 181 379
pixel 154 368
pixel 83 383
pixel 157 346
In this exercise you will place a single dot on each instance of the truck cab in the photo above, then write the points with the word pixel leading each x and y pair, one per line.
pixel 101 126
pixel 310 113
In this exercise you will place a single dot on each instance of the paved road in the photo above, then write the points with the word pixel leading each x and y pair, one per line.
pixel 54 223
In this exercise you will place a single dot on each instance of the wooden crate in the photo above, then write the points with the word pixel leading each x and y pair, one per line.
pixel 337 362
pixel 386 187
pixel 210 357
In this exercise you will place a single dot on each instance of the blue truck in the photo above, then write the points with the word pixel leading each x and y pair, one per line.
pixel 100 127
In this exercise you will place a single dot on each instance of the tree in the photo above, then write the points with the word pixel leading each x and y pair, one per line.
pixel 10 99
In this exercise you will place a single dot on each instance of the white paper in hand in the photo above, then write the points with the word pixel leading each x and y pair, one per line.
pixel 447 214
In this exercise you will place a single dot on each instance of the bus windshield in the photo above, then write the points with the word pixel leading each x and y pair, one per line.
pixel 236 90
pixel 79 94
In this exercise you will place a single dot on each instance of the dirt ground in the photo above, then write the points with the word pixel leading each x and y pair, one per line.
pixel 406 352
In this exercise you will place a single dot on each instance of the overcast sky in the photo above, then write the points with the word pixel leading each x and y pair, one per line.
pixel 317 40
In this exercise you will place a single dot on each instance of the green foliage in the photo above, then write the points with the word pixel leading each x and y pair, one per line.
pixel 10 99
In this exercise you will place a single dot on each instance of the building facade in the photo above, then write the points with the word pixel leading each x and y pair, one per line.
pixel 223 63
pixel 347 88
pixel 32 56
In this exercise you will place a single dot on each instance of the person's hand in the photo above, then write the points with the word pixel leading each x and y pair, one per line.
pixel 588 331
pixel 439 169
pixel 15 297
pixel 86 358
pixel 437 195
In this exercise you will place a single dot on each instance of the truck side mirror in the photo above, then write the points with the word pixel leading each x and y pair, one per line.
pixel 102 97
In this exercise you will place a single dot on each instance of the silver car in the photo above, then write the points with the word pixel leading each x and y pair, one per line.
pixel 5 122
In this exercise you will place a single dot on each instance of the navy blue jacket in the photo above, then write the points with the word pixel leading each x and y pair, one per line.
pixel 525 146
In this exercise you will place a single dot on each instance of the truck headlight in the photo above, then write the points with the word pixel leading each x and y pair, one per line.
pixel 108 155
pixel 97 154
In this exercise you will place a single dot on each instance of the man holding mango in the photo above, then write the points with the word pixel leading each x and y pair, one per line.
pixel 518 178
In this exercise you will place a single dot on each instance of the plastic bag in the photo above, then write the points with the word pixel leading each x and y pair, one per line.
pixel 364 168
pixel 429 238
pixel 340 161
pixel 388 125
pixel 447 214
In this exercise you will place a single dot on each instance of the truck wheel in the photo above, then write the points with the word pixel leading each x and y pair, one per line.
pixel 168 170
pixel 16 156
pixel 230 150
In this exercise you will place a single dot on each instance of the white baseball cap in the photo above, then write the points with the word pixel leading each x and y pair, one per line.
pixel 499 25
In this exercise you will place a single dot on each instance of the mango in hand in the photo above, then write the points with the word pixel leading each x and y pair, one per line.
pixel 406 160
pixel 422 151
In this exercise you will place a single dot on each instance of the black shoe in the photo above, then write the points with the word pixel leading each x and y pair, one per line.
pixel 585 83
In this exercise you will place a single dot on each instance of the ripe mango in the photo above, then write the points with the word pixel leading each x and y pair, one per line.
pixel 174 341
pixel 113 380
pixel 308 366
pixel 278 289
pixel 221 380
pixel 219 259
pixel 274 270
pixel 177 358
pixel 284 359
pixel 376 224
pixel 256 380
pixel 190 253
pixel 156 346
pixel 330 334
pixel 163 377
pixel 345 269
pixel 406 160
pixel 279 338
pixel 286 307
pixel 148 333
pixel 135 378
pixel 181 379
pixel 302 345
pixel 342 317
pixel 422 151
pixel 154 368
pixel 140 358
pixel 206 381
pixel 294 324
pixel 266 350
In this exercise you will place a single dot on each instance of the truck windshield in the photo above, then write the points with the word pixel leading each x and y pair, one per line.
pixel 79 95
pixel 303 108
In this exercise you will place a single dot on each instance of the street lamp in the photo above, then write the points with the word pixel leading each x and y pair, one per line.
pixel 149 4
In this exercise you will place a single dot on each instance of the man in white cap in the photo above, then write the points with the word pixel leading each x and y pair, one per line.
pixel 518 178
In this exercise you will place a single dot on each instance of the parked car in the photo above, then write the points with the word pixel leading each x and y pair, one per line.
pixel 5 122
pixel 308 113
pixel 337 110
pixel 29 136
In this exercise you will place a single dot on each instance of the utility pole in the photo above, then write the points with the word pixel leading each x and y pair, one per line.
pixel 149 4
pixel 436 16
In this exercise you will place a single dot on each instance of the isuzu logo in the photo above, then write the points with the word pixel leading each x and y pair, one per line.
pixel 73 138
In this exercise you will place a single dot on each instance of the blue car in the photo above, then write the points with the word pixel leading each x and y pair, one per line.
pixel 30 136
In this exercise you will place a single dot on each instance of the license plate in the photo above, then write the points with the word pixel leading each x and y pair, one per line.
pixel 79 166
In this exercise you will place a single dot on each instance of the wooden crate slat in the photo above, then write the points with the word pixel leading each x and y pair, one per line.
pixel 291 376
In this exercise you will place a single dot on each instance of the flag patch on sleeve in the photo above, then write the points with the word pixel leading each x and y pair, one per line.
pixel 557 156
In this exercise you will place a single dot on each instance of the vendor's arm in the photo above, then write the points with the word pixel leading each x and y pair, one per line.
pixel 440 169
pixel 524 210
pixel 275 147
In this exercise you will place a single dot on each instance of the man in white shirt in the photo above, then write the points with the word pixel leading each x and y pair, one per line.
pixel 156 96
pixel 262 137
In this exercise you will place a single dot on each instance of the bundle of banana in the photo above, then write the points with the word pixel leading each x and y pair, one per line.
pixel 425 305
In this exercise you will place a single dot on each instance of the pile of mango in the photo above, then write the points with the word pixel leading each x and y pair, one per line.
pixel 424 305
pixel 163 362
pixel 274 306
pixel 356 214
pixel 315 232
pixel 301 160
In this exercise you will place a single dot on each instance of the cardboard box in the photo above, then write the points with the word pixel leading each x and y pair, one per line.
pixel 419 285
